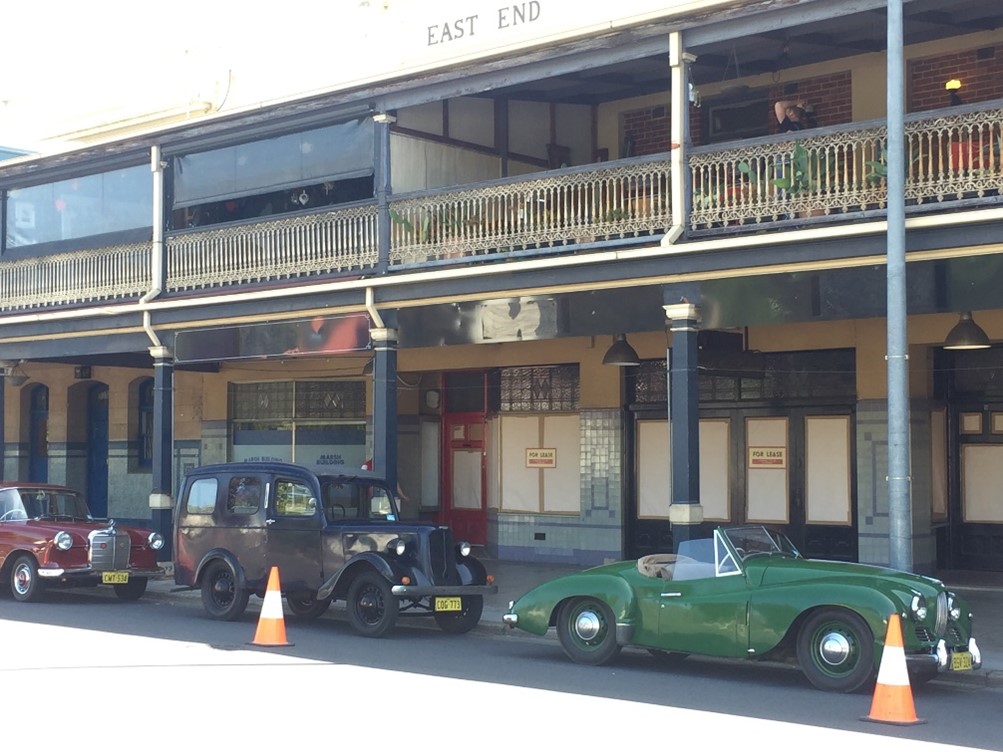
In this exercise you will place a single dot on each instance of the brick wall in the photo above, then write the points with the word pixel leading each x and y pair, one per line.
pixel 980 71
pixel 646 131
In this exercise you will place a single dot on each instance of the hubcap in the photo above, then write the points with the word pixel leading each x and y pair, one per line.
pixel 22 579
pixel 588 625
pixel 834 648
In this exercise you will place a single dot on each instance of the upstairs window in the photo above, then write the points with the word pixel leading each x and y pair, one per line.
pixel 80 207
pixel 294 172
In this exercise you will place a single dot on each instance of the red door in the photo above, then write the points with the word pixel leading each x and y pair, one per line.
pixel 463 505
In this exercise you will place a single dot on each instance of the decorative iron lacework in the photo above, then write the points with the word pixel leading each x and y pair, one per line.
pixel 755 377
pixel 539 389
pixel 287 400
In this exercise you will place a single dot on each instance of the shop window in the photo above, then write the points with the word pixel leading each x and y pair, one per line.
pixel 309 422
pixel 539 389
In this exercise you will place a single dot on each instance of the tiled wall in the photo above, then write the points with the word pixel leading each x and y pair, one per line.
pixel 594 536
pixel 872 485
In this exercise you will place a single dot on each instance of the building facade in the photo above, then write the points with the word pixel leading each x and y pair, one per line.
pixel 568 283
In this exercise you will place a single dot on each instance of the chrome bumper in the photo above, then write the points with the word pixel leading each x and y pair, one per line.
pixel 57 572
pixel 423 591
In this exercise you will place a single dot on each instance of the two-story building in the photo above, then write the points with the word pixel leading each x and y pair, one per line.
pixel 488 255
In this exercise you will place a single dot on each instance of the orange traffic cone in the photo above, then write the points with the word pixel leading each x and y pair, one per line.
pixel 892 701
pixel 271 632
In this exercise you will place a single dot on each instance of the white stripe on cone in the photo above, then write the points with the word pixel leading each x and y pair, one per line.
pixel 271 608
pixel 892 671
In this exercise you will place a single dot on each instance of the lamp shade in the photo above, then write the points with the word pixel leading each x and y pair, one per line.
pixel 620 353
pixel 966 335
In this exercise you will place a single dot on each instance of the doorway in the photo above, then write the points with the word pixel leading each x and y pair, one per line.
pixel 464 451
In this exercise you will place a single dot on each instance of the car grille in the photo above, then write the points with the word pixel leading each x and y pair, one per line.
pixel 940 625
pixel 440 558
pixel 109 549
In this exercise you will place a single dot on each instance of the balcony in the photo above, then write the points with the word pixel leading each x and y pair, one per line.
pixel 823 175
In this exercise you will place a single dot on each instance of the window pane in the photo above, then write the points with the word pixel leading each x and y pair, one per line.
pixel 202 496
pixel 337 152
pixel 244 496
pixel 81 207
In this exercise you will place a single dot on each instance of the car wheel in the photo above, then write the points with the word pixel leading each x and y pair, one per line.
pixel 221 597
pixel 372 608
pixel 132 590
pixel 25 584
pixel 459 622
pixel 836 651
pixel 307 606
pixel 587 631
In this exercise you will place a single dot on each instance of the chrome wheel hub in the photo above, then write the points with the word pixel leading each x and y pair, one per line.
pixel 588 625
pixel 834 648
pixel 22 579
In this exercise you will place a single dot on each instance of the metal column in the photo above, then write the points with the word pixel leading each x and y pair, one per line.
pixel 161 501
pixel 685 511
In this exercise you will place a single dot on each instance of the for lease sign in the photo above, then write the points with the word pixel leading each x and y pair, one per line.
pixel 768 457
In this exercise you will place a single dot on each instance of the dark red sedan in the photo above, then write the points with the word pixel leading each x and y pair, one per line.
pixel 48 538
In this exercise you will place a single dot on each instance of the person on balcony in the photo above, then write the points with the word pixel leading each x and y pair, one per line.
pixel 792 116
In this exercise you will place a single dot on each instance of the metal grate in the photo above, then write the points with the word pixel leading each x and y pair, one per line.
pixel 539 389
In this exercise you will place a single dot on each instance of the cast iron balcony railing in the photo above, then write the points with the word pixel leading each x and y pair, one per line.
pixel 277 249
pixel 953 158
pixel 552 210
pixel 90 276
pixel 950 156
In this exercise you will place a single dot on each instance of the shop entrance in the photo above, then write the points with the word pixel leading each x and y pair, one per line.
pixel 788 466
pixel 463 481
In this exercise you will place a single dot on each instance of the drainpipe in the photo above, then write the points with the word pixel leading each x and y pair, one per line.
pixel 679 136
pixel 157 246
pixel 371 307
pixel 161 502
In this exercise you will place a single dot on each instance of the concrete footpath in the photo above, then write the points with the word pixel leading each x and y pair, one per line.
pixel 983 591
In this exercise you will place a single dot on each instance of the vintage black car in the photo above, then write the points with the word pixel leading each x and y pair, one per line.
pixel 334 533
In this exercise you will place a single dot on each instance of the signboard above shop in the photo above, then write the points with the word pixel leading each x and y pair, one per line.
pixel 318 335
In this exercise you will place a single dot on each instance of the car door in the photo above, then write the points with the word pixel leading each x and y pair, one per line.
pixel 294 523
pixel 703 608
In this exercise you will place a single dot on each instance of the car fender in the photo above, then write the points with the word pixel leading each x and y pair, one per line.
pixel 471 571
pixel 224 555
pixel 338 582
pixel 537 609
pixel 776 613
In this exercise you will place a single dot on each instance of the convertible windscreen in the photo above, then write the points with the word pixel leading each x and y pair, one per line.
pixel 758 541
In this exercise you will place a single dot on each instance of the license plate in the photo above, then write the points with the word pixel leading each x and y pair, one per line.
pixel 114 578
pixel 448 604
pixel 961 660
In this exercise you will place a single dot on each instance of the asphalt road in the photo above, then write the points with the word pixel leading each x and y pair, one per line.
pixel 159 673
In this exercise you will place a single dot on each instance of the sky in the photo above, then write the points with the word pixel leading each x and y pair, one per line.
pixel 76 62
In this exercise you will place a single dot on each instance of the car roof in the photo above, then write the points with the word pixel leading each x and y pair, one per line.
pixel 31 484
pixel 338 471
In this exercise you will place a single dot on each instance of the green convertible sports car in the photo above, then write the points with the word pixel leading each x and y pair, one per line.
pixel 748 593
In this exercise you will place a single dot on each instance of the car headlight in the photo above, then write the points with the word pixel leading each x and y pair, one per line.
pixel 397 546
pixel 463 549
pixel 953 609
pixel 155 541
pixel 918 608
pixel 63 540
